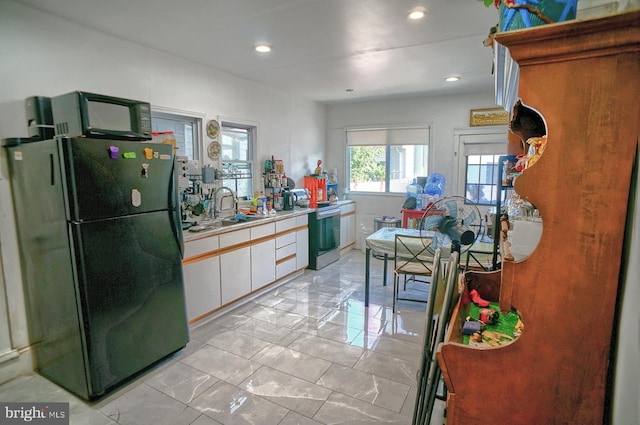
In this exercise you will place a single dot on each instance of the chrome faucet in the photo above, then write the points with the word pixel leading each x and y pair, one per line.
pixel 217 206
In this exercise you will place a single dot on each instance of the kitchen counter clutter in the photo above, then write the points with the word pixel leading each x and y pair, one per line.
pixel 227 225
pixel 226 264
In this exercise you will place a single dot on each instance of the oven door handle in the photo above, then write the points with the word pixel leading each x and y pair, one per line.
pixel 325 214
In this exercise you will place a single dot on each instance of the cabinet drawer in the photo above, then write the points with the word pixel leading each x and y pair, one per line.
pixel 234 238
pixel 285 239
pixel 201 246
pixel 285 268
pixel 302 220
pixel 286 250
pixel 262 231
pixel 347 208
pixel 286 224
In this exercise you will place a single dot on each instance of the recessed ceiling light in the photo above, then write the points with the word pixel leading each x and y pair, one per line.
pixel 418 13
pixel 263 48
pixel 452 79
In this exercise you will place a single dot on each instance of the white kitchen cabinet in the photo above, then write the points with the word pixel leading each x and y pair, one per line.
pixel 263 231
pixel 285 247
pixel 288 238
pixel 237 237
pixel 263 256
pixel 287 224
pixel 235 265
pixel 347 225
pixel 222 268
pixel 200 247
pixel 235 274
pixel 202 286
pixel 263 260
pixel 288 264
pixel 286 253
pixel 201 273
pixel 302 241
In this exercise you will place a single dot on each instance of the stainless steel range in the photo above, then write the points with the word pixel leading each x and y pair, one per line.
pixel 324 236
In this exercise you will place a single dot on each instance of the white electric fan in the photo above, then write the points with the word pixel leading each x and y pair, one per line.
pixel 451 222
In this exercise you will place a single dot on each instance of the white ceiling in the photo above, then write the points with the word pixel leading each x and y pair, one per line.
pixel 320 47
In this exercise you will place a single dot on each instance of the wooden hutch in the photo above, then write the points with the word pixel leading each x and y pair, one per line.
pixel 582 76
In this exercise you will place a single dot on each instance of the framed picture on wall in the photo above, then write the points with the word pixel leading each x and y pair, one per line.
pixel 488 116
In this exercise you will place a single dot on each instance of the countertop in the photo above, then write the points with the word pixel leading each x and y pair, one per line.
pixel 219 229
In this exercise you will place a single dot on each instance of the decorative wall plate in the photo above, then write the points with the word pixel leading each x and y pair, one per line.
pixel 213 150
pixel 213 129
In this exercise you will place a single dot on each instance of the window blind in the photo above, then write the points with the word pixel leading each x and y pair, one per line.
pixel 388 136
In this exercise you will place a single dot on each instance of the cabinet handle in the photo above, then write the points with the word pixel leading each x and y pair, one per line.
pixel 53 171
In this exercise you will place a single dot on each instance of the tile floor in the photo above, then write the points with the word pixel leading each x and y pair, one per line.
pixel 307 352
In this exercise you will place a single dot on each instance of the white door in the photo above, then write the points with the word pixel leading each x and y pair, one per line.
pixel 477 152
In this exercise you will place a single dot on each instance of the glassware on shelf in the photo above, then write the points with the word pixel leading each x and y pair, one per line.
pixel 518 208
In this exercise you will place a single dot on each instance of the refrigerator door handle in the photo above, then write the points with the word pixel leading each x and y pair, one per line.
pixel 52 169
pixel 174 210
pixel 176 225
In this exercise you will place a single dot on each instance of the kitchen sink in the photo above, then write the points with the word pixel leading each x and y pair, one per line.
pixel 254 217
pixel 230 221
pixel 204 225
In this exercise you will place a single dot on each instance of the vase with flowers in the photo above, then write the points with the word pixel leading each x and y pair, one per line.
pixel 518 14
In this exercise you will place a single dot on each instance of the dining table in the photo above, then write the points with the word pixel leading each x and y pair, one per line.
pixel 382 242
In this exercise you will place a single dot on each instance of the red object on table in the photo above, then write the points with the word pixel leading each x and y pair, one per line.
pixel 407 214
pixel 416 214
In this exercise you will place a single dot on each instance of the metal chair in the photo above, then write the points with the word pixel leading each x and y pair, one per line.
pixel 411 259
pixel 443 296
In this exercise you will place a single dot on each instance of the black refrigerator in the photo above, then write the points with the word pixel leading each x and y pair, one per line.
pixel 101 256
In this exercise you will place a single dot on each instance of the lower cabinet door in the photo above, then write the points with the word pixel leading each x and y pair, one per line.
pixel 235 276
pixel 202 286
pixel 263 264
pixel 302 249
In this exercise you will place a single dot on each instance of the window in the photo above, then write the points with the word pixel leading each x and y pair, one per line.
pixel 186 130
pixel 386 159
pixel 481 182
pixel 479 152
pixel 237 144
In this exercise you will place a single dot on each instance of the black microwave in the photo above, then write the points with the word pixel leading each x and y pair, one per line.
pixel 81 114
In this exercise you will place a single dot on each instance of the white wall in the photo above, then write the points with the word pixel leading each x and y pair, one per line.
pixel 47 56
pixel 445 114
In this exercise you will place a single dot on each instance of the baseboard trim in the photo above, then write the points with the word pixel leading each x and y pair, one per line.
pixel 15 363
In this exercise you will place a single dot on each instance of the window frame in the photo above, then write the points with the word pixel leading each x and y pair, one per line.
pixel 495 174
pixel 423 126
pixel 179 115
pixel 251 136
pixel 253 126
